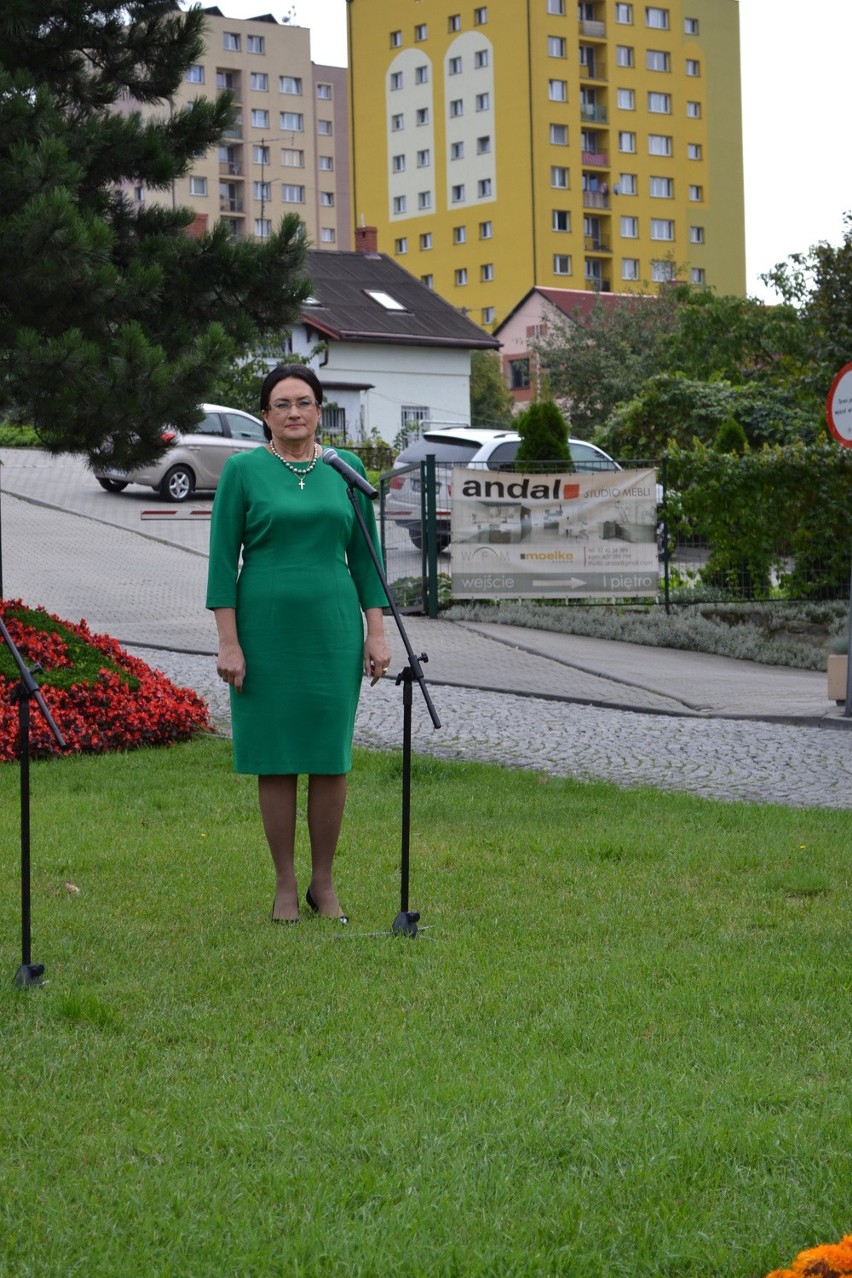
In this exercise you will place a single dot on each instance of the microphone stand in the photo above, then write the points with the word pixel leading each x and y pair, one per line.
pixel 28 973
pixel 405 923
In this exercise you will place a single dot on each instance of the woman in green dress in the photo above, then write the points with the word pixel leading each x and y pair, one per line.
pixel 291 583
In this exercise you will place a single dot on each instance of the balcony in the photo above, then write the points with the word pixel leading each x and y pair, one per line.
pixel 594 244
pixel 230 168
pixel 593 114
pixel 231 204
pixel 595 199
pixel 593 29
pixel 593 69
pixel 599 159
pixel 597 285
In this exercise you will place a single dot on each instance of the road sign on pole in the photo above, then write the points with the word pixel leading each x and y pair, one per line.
pixel 838 407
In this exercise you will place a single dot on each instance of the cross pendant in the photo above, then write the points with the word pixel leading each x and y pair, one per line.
pixel 301 483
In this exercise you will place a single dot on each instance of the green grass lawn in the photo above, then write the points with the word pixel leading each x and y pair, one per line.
pixel 620 1045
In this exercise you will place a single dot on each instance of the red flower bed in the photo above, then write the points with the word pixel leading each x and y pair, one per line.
pixel 100 697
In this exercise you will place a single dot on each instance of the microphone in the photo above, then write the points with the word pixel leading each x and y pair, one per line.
pixel 347 472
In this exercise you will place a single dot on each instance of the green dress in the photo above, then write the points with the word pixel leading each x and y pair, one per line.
pixel 305 576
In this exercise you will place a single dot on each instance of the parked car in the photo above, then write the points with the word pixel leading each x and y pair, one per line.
pixel 194 460
pixel 462 446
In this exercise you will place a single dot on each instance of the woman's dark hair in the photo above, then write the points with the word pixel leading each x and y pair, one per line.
pixel 277 375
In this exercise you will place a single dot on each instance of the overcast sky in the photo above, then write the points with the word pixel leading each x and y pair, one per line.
pixel 798 174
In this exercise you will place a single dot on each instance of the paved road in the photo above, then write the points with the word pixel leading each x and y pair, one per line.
pixel 560 704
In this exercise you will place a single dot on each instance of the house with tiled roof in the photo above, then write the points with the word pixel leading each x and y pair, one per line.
pixel 390 353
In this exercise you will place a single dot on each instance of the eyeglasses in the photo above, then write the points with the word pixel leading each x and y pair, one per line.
pixel 284 405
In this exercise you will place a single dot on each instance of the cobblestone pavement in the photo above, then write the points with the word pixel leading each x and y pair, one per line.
pixel 730 759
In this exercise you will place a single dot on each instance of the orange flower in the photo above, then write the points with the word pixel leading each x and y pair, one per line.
pixel 832 1260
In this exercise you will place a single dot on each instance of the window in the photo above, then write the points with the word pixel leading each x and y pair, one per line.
pixel 659 144
pixel 457 150
pixel 231 41
pixel 326 163
pixel 480 59
pixel 424 159
pixel 290 84
pixel 292 159
pixel 195 74
pixel 459 234
pixel 690 26
pixel 420 31
pixel 693 110
pixel 480 16
pixel 421 75
pixel 424 199
pixel 259 154
pixel 557 90
pixel 486 272
pixel 559 134
pixel 461 277
pixel 561 263
pixel 693 150
pixel 662 188
pixel 696 194
pixel 454 23
pixel 291 121
pixel 662 229
pixel 696 235
pixel 422 116
pixel 456 108
pixel 486 230
pixel 428 281
pixel 655 17
pixel 324 91
pixel 657 60
pixel 696 275
pixel 662 272
pixel 556 47
pixel 519 374
pixel 627 142
pixel 454 66
pixel 395 39
pixel 556 6
pixel 624 14
pixel 693 67
pixel 198 186
pixel 262 228
pixel 660 103
pixel 561 220
pixel 630 228
pixel 399 204
pixel 259 81
pixel 256 44
pixel 630 268
pixel 327 199
pixel 483 144
pixel 400 245
pixel 426 241
pixel 414 418
pixel 262 191
pixel 327 235
pixel 397 123
pixel 395 80
pixel 292 194
pixel 483 189
pixel 488 314
pixel 626 99
pixel 457 194
pixel 624 55
pixel 483 102
pixel 559 176
pixel 260 119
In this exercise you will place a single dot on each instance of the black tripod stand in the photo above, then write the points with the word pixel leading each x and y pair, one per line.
pixel 28 973
pixel 405 923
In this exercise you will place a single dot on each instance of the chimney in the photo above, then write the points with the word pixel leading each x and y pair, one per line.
pixel 366 239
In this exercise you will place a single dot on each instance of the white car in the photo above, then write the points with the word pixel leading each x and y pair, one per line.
pixel 462 446
pixel 193 461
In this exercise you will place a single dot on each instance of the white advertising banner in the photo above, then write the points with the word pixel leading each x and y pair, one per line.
pixel 522 536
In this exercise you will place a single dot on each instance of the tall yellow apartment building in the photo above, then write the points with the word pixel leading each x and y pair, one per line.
pixel 517 143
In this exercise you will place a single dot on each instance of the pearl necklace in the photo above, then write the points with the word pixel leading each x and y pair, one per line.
pixel 300 473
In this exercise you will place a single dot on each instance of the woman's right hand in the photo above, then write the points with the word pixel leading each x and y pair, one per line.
pixel 231 664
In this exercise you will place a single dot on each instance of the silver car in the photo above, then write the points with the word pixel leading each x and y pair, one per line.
pixel 192 461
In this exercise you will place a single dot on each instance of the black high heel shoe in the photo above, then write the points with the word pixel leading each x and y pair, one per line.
pixel 312 905
pixel 290 922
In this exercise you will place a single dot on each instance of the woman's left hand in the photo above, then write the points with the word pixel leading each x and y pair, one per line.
pixel 376 657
